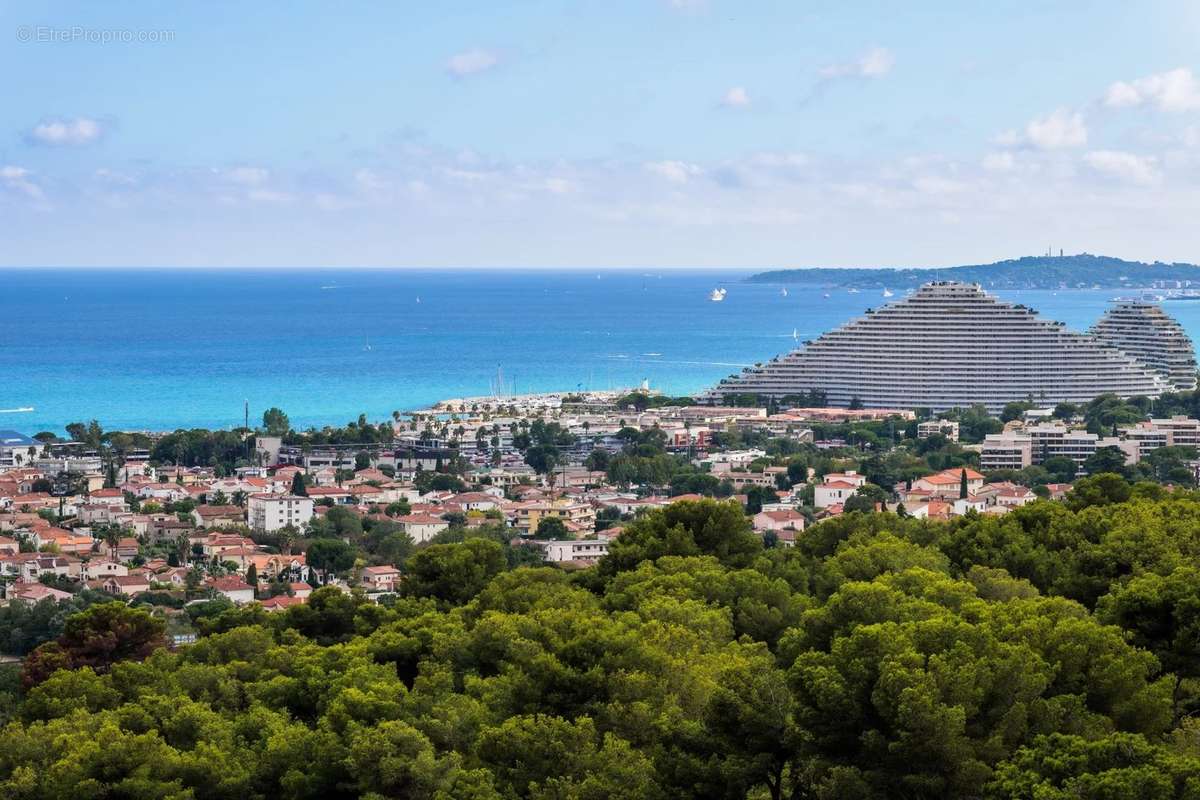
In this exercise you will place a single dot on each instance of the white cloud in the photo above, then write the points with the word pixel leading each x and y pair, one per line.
pixel 999 162
pixel 369 181
pixel 268 196
pixel 687 5
pixel 1174 90
pixel 67 132
pixel 558 185
pixel 674 171
pixel 247 176
pixel 1062 128
pixel 18 179
pixel 874 63
pixel 736 98
pixel 114 177
pixel 936 185
pixel 1125 166
pixel 471 62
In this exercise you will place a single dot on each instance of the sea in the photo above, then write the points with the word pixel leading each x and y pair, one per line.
pixel 160 349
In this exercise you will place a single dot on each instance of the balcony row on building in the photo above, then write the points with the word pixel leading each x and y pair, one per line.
pixel 1033 445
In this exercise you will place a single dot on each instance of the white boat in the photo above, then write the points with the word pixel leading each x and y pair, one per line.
pixel 795 335
pixel 852 290
pixel 717 295
pixel 783 291
pixel 825 295
pixel 887 293
pixel 21 410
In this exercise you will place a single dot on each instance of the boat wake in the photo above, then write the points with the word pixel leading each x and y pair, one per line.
pixel 21 410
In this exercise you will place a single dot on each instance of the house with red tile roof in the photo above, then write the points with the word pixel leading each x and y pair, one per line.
pixel 31 593
pixel 281 602
pixel 831 493
pixel 234 588
pixel 948 482
pixel 422 527
pixel 127 585
pixel 380 579
pixel 787 519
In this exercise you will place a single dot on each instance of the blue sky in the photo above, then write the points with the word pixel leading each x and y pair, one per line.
pixel 669 133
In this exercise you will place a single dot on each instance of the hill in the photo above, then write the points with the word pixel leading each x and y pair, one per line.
pixel 1031 272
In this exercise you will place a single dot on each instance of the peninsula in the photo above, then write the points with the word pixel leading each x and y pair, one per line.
pixel 1082 270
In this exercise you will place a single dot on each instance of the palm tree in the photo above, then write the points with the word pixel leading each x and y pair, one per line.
pixel 183 549
pixel 112 537
pixel 286 537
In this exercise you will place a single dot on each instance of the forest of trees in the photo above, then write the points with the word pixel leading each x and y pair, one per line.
pixel 1053 652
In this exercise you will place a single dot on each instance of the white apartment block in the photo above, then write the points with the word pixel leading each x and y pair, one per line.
pixel 832 493
pixel 1038 443
pixel 949 345
pixel 1178 431
pixel 946 427
pixel 587 550
pixel 270 512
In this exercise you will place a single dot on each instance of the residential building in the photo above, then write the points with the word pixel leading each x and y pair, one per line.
pixel 33 593
pixel 833 493
pixel 218 516
pixel 17 449
pixel 578 516
pixel 785 519
pixel 1178 431
pixel 945 427
pixel 270 512
pixel 583 550
pixel 1039 443
pixel 1005 451
pixel 948 482
pixel 422 527
pixel 948 345
pixel 1155 340
pixel 380 579
pixel 234 588
pixel 126 585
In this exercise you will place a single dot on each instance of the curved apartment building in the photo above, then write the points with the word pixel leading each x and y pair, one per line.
pixel 948 345
pixel 1155 340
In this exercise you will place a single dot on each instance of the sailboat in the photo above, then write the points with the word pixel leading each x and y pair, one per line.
pixel 795 335
pixel 716 295
pixel 783 291
pixel 367 346
pixel 887 292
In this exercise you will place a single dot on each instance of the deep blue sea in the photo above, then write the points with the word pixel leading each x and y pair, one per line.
pixel 160 349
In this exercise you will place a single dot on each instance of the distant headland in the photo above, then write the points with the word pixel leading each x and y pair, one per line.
pixel 1083 270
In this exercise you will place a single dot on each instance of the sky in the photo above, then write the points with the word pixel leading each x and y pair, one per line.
pixel 598 133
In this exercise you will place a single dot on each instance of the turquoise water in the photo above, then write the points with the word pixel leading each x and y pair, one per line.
pixel 159 349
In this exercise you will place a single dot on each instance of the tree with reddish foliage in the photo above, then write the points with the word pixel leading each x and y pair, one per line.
pixel 43 662
pixel 98 638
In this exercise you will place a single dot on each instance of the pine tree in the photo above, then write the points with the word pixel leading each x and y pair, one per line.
pixel 962 486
